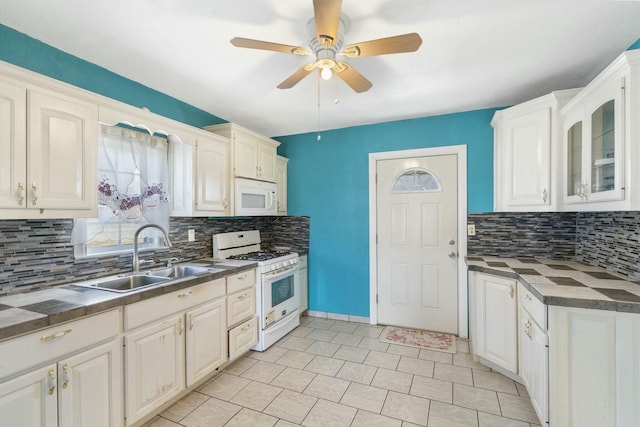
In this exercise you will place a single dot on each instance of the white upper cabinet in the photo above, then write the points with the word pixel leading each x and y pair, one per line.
pixel 48 153
pixel 600 140
pixel 526 137
pixel 281 180
pixel 212 180
pixel 253 155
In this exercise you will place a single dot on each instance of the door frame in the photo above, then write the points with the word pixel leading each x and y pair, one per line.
pixel 460 151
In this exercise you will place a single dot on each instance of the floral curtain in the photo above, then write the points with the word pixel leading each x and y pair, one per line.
pixel 133 180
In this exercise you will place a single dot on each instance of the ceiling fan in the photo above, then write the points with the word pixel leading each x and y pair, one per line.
pixel 326 31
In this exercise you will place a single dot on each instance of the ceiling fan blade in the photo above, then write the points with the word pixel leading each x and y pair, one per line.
pixel 275 47
pixel 354 79
pixel 396 44
pixel 327 15
pixel 300 74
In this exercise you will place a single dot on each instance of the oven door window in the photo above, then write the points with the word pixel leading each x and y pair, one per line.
pixel 282 290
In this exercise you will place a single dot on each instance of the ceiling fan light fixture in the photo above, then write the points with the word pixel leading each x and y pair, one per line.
pixel 326 73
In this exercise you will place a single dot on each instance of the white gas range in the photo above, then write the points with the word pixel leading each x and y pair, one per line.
pixel 277 287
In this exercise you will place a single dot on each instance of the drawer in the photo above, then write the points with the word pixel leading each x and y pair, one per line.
pixel 242 280
pixel 242 338
pixel 536 308
pixel 241 306
pixel 146 311
pixel 55 342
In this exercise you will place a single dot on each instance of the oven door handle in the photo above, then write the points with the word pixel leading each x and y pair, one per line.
pixel 283 272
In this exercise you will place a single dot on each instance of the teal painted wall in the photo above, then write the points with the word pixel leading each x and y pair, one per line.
pixel 635 45
pixel 328 181
pixel 26 52
pixel 327 178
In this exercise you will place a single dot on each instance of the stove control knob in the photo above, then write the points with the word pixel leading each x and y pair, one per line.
pixel 273 267
pixel 294 261
pixel 284 263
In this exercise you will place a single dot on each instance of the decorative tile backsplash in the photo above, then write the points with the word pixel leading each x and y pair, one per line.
pixel 522 234
pixel 39 253
pixel 610 240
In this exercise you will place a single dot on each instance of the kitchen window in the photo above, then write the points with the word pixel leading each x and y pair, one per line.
pixel 132 182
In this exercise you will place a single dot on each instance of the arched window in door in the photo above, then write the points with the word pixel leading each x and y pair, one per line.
pixel 416 180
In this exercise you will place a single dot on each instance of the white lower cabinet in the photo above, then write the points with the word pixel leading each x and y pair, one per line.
pixel 494 328
pixel 171 342
pixel 154 366
pixel 67 375
pixel 241 313
pixel 30 399
pixel 206 340
pixel 303 275
pixel 533 351
pixel 594 368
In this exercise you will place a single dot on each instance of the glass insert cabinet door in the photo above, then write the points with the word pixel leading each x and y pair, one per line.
pixel 594 147
pixel 575 186
pixel 603 149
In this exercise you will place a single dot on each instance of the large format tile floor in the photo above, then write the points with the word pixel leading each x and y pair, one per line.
pixel 334 373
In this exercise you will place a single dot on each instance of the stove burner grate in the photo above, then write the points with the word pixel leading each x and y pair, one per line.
pixel 259 256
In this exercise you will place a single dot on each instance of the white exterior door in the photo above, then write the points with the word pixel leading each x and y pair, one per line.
pixel 417 237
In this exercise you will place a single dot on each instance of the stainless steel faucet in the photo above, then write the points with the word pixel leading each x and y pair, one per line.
pixel 136 258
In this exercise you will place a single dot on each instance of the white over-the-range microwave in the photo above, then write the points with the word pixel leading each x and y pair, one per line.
pixel 254 197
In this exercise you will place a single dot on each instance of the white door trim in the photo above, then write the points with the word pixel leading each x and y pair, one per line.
pixel 461 152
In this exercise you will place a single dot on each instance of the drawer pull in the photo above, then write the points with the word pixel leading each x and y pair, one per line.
pixel 46 338
pixel 185 294
pixel 244 328
pixel 243 296
pixel 527 296
pixel 244 276
pixel 52 381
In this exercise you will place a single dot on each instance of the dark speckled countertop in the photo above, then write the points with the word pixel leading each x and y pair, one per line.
pixel 29 311
pixel 565 283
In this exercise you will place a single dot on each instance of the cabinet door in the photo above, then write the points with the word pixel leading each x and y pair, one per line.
pixel 582 367
pixel 281 181
pixel 90 387
pixel 206 340
pixel 266 162
pixel 527 160
pixel 212 183
pixel 245 155
pixel 62 154
pixel 30 399
pixel 534 363
pixel 304 284
pixel 154 366
pixel 603 150
pixel 574 180
pixel 13 146
pixel 496 321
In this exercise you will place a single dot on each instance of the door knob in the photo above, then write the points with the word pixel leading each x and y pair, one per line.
pixel 452 255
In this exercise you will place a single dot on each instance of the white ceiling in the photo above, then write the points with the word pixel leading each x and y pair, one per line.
pixel 475 54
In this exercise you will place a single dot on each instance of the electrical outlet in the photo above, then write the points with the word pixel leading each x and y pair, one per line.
pixel 192 235
pixel 471 229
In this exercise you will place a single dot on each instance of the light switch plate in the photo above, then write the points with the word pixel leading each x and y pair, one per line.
pixel 471 229
pixel 191 233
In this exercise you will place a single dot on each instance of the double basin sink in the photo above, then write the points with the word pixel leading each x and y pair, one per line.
pixel 136 281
